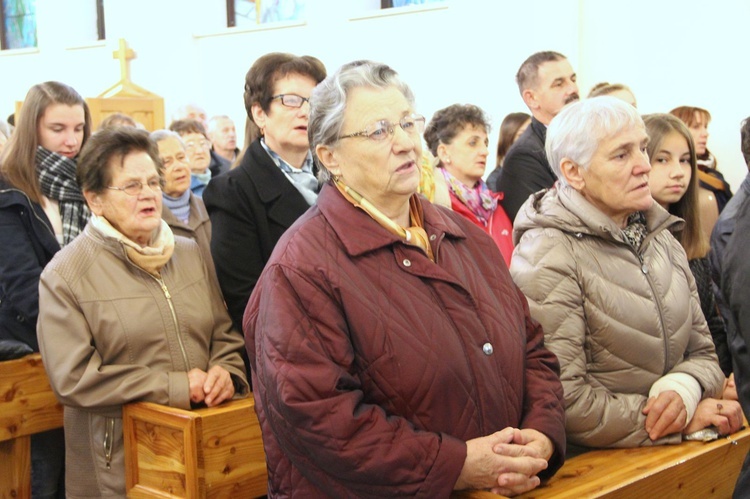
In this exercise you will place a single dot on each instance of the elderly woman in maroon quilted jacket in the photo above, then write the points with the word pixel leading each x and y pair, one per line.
pixel 391 353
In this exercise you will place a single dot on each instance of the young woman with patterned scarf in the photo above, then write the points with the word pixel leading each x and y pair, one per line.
pixel 41 208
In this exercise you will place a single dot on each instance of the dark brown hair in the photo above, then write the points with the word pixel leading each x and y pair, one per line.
pixel 448 122
pixel 508 130
pixel 268 69
pixel 109 147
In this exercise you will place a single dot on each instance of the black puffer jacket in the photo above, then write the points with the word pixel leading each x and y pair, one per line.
pixel 702 273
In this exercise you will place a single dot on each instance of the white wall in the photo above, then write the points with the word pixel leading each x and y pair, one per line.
pixel 671 52
pixel 674 53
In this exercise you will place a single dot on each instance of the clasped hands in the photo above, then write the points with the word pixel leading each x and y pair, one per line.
pixel 666 414
pixel 212 387
pixel 507 461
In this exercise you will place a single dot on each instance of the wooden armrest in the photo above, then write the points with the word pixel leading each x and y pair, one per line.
pixel 27 402
pixel 205 452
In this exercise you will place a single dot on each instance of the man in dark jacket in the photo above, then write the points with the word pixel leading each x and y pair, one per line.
pixel 547 83
pixel 735 287
pixel 725 225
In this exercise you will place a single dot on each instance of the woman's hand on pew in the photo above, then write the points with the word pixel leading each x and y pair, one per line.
pixel 726 415
pixel 525 443
pixel 212 387
pixel 665 414
pixel 507 474
pixel 196 380
pixel 218 386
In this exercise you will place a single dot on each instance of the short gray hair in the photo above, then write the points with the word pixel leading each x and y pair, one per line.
pixel 214 119
pixel 328 101
pixel 163 134
pixel 576 132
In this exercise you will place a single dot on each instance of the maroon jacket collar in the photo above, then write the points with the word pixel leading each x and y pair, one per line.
pixel 359 233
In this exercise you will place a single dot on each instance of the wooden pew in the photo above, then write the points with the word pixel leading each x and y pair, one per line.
pixel 691 469
pixel 216 452
pixel 27 406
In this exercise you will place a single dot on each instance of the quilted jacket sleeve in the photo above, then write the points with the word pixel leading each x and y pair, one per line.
pixel 543 266
pixel 303 369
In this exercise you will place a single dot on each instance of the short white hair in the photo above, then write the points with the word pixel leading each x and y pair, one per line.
pixel 575 133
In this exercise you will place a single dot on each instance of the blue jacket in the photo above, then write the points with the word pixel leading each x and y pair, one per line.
pixel 28 244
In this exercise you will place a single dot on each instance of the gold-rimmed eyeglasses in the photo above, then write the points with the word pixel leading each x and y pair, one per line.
pixel 412 124
pixel 135 187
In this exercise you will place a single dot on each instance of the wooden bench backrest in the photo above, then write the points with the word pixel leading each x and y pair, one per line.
pixel 27 406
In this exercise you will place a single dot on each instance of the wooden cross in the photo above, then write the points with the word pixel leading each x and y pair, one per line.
pixel 125 87
pixel 124 54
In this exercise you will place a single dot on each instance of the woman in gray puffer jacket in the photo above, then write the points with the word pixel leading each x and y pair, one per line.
pixel 613 289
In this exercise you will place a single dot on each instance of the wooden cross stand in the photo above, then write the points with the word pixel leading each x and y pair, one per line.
pixel 126 97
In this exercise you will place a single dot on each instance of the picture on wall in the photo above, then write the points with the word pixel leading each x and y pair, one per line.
pixel 246 13
pixel 387 4
pixel 17 24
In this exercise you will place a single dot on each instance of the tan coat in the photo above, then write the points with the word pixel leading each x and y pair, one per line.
pixel 197 228
pixel 616 319
pixel 111 334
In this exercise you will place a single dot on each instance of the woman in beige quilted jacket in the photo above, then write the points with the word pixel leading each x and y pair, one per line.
pixel 613 289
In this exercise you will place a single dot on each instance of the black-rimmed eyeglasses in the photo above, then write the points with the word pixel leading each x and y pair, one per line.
pixel 291 100
pixel 412 124
pixel 134 188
